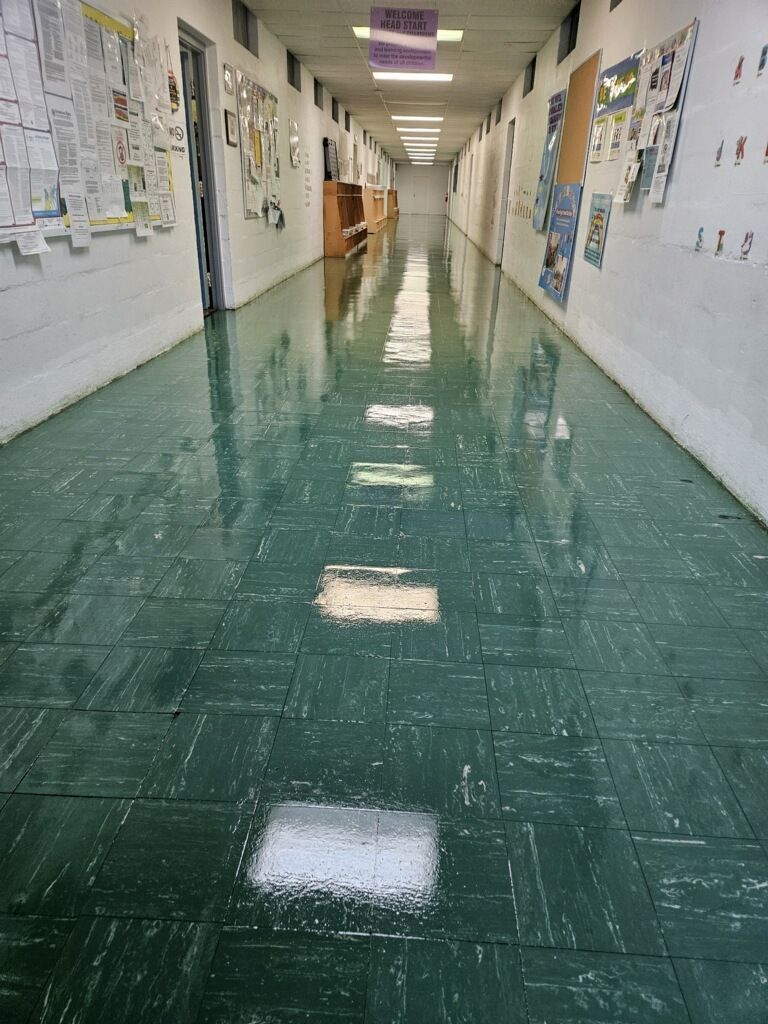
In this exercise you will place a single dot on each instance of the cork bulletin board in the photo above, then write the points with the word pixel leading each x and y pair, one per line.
pixel 577 121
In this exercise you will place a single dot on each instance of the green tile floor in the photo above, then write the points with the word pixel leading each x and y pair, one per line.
pixel 372 658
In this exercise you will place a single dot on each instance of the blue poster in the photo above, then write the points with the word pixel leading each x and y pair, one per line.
pixel 599 212
pixel 548 159
pixel 617 86
pixel 560 238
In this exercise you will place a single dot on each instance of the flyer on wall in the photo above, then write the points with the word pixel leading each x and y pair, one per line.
pixel 560 238
pixel 599 212
pixel 548 159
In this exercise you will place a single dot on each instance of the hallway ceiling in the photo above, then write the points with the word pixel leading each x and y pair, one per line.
pixel 500 38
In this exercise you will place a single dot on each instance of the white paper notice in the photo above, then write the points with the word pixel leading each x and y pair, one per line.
pixel 6 210
pixel 65 140
pixel 17 171
pixel 678 69
pixel 142 220
pixel 110 42
pixel 96 77
pixel 114 197
pixel 28 82
pixel 7 89
pixel 80 228
pixel 9 112
pixel 167 209
pixel 31 243
pixel 163 173
pixel 51 40
pixel 17 18
pixel 43 174
pixel 77 51
pixel 135 148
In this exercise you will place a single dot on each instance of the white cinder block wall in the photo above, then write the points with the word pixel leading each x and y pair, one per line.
pixel 685 333
pixel 71 321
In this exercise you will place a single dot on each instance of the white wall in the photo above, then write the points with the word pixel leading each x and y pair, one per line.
pixel 683 332
pixel 422 189
pixel 72 321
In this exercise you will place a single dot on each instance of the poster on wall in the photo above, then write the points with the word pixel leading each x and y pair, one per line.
pixel 258 124
pixel 548 159
pixel 617 87
pixel 403 38
pixel 558 254
pixel 597 145
pixel 599 212
pixel 293 143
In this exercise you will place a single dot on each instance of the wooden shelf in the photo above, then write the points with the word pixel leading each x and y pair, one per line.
pixel 344 221
pixel 373 204
pixel 393 210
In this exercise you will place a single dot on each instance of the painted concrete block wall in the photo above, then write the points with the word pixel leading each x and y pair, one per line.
pixel 71 321
pixel 685 333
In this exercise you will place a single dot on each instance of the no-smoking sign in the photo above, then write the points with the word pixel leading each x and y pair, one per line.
pixel 120 150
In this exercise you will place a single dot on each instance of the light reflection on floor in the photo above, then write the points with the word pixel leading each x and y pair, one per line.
pixel 371 594
pixel 381 857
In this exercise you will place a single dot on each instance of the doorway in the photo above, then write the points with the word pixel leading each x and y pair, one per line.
pixel 505 181
pixel 200 166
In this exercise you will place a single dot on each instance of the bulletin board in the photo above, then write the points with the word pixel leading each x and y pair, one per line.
pixel 258 122
pixel 577 121
pixel 84 137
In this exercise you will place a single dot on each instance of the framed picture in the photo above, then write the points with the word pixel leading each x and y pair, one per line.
pixel 229 79
pixel 230 123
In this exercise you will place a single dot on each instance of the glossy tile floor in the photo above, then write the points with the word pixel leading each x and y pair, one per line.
pixel 373 658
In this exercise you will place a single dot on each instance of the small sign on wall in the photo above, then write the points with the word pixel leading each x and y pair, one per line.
pixel 230 124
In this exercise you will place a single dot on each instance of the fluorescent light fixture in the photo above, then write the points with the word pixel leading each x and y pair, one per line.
pixel 421 149
pixel 415 117
pixel 412 76
pixel 418 138
pixel 444 35
pixel 423 163
pixel 415 128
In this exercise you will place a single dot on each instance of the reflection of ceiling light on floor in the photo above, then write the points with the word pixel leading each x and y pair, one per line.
pixel 401 417
pixel 355 593
pixel 385 858
pixel 562 430
pixel 407 350
pixel 390 474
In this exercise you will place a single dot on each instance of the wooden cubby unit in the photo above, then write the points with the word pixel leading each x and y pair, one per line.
pixel 344 221
pixel 393 210
pixel 373 203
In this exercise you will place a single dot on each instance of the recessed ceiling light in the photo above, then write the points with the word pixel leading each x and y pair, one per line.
pixel 444 35
pixel 420 130
pixel 408 117
pixel 423 163
pixel 412 76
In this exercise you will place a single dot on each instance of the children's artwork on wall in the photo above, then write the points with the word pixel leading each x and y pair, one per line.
pixel 599 212
pixel 719 153
pixel 700 240
pixel 720 242
pixel 763 60
pixel 746 245
pixel 739 70
pixel 556 269
pixel 741 144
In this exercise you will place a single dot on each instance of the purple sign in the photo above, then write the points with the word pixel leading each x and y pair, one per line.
pixel 403 38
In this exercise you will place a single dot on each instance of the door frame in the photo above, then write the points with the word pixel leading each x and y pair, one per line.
pixel 206 227
pixel 505 182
